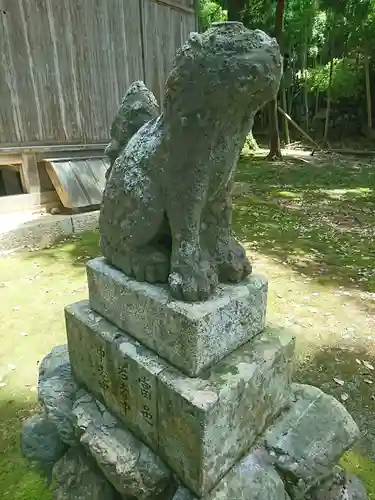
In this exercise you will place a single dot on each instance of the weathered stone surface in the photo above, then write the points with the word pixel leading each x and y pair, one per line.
pixel 166 212
pixel 183 494
pixel 56 361
pixel 253 478
pixel 137 107
pixel 40 440
pixel 341 486
pixel 57 391
pixel 206 424
pixel 191 337
pixel 131 467
pixel 199 426
pixel 310 438
pixel 116 368
pixel 78 478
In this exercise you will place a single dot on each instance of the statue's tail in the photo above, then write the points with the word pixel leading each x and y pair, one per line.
pixel 137 107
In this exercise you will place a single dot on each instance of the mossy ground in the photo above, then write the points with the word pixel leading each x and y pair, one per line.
pixel 307 223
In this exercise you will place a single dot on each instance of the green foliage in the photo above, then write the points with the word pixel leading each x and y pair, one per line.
pixel 315 32
pixel 347 80
pixel 209 12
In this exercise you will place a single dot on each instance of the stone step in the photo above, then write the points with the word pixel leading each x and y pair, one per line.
pixel 199 426
pixel 191 336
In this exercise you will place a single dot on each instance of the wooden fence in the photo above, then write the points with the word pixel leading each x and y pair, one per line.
pixel 65 64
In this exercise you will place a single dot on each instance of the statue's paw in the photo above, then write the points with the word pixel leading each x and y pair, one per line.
pixel 236 265
pixel 192 284
pixel 150 264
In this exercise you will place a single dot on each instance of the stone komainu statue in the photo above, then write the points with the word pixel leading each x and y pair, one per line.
pixel 166 211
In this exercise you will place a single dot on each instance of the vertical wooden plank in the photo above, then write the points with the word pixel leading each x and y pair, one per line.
pixel 165 30
pixel 8 14
pixel 22 83
pixel 30 174
pixel 65 64
pixel 41 50
pixel 77 132
pixel 83 36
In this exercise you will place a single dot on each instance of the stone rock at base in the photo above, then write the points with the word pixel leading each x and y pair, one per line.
pixel 354 489
pixel 183 494
pixel 192 337
pixel 57 359
pixel 78 478
pixel 87 411
pixel 57 392
pixel 252 478
pixel 131 467
pixel 341 486
pixel 40 441
pixel 309 439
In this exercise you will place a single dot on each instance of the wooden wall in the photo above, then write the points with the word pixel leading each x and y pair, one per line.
pixel 65 64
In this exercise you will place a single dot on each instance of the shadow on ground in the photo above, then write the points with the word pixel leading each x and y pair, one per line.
pixel 317 217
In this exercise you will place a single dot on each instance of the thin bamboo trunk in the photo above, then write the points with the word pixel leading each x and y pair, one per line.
pixel 304 72
pixel 284 105
pixel 329 91
pixel 368 90
pixel 275 147
pixel 328 109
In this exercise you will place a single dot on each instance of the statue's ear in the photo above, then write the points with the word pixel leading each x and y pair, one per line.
pixel 195 41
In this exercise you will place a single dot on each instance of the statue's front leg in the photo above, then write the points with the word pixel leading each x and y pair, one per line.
pixel 228 254
pixel 192 277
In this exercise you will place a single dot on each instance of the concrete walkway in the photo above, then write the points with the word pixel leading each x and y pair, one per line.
pixel 37 230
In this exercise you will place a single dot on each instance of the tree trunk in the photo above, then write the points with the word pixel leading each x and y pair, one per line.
pixel 368 90
pixel 304 72
pixel 275 149
pixel 328 110
pixel 284 105
pixel 236 10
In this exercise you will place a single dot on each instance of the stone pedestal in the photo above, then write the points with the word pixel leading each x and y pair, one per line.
pixel 190 336
pixel 200 426
pixel 123 413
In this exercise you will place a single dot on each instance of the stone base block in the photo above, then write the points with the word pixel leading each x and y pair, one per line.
pixel 309 439
pixel 191 337
pixel 199 426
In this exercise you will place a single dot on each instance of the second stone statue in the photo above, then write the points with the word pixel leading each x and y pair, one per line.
pixel 166 211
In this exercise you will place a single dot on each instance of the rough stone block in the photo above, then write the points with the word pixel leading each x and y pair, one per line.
pixel 130 466
pixel 78 478
pixel 252 478
pixel 341 486
pixel 191 337
pixel 199 426
pixel 310 439
pixel 57 391
pixel 40 440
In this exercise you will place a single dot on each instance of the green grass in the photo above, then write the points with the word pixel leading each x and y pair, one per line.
pixel 307 225
pixel 317 217
pixel 34 288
